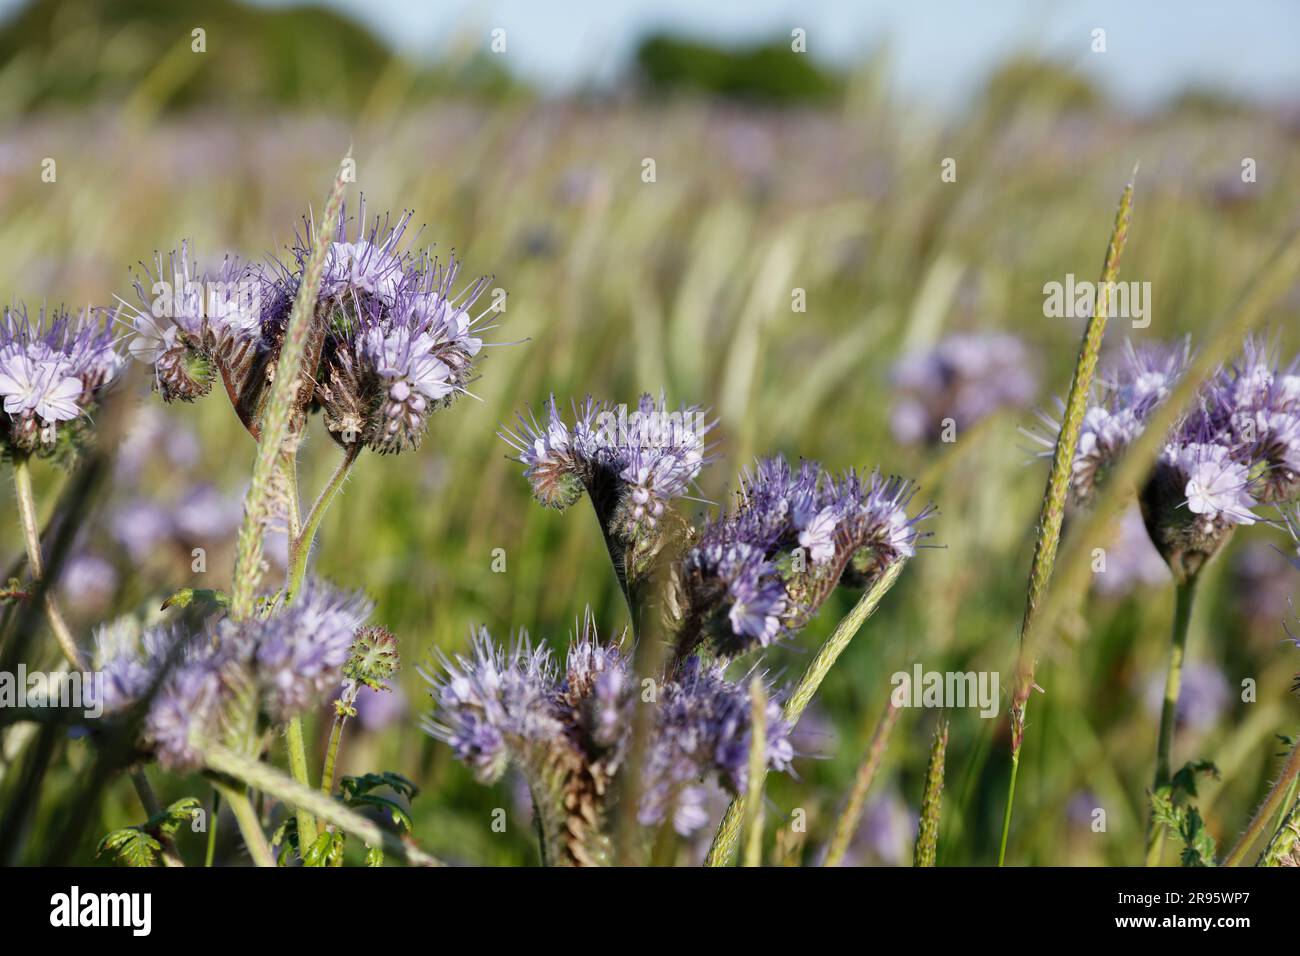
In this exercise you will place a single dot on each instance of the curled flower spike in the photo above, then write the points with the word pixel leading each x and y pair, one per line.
pixel 761 570
pixel 229 678
pixel 1237 448
pixel 631 465
pixel 568 727
pixel 193 326
pixel 1124 398
pixel 53 373
pixel 964 378
pixel 395 341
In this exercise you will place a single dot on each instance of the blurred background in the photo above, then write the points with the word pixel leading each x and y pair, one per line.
pixel 805 261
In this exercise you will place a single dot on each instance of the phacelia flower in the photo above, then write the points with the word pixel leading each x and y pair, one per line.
pixel 397 340
pixel 762 569
pixel 194 326
pixel 631 465
pixel 963 379
pixel 228 678
pixel 567 728
pixel 1237 447
pixel 53 374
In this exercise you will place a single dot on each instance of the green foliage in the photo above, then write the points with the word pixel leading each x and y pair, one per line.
pixel 766 72
pixel 1171 808
pixel 141 845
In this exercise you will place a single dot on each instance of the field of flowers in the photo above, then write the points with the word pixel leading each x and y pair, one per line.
pixel 855 285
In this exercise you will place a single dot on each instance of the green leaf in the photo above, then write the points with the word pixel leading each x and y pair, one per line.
pixel 132 845
pixel 352 788
pixel 327 850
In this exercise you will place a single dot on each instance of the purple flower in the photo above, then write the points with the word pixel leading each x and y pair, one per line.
pixel 400 341
pixel 191 324
pixel 567 729
pixel 630 464
pixel 1132 562
pixel 964 378
pixel 53 373
pixel 703 727
pixel 493 704
pixel 299 652
pixel 762 569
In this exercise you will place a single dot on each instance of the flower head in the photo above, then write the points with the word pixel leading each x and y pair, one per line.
pixel 763 568
pixel 963 379
pixel 53 373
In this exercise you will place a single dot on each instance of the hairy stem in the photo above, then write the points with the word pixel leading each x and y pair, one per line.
pixel 301 544
pixel 297 749
pixel 1185 595
pixel 253 773
pixel 1272 803
pixel 728 835
pixel 331 755
pixel 249 826
pixel 32 541
pixel 211 852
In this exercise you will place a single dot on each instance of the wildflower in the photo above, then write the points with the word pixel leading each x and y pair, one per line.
pixel 1236 448
pixel 229 677
pixel 193 325
pixel 567 728
pixel 762 569
pixel 396 342
pixel 632 466
pixel 963 379
pixel 53 374
pixel 301 650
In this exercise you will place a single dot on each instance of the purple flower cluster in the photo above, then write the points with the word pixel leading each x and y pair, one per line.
pixel 496 706
pixel 763 568
pixel 631 465
pixel 392 341
pixel 964 378
pixel 53 373
pixel 193 685
pixel 1237 448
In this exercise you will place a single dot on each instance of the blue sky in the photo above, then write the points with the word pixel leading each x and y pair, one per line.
pixel 939 48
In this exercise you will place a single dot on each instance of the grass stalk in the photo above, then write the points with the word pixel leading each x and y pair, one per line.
pixel 757 764
pixel 1052 514
pixel 260 776
pixel 725 840
pixel 847 824
pixel 926 849
pixel 249 825
pixel 36 563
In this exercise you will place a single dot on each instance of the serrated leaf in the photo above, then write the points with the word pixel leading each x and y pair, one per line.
pixel 327 850
pixel 132 846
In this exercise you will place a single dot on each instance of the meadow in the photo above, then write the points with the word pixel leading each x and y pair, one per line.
pixel 776 269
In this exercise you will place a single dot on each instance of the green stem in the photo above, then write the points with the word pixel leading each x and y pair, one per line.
pixel 1185 594
pixel 1271 804
pixel 757 764
pixel 32 540
pixel 249 825
pixel 300 546
pixel 1006 813
pixel 212 828
pixel 331 754
pixel 728 835
pixel 263 777
pixel 297 748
